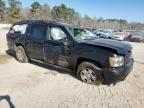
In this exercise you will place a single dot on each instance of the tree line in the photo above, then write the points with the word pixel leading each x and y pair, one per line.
pixel 14 12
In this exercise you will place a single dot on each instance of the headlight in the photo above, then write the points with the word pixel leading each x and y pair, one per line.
pixel 116 61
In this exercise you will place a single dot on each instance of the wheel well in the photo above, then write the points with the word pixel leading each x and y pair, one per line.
pixel 18 44
pixel 80 60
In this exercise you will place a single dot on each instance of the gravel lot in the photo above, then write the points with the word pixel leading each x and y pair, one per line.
pixel 33 85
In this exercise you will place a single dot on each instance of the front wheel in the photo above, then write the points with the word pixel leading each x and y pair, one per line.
pixel 21 55
pixel 89 73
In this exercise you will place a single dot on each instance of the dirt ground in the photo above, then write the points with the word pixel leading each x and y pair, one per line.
pixel 33 85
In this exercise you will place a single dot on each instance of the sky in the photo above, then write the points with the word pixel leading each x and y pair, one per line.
pixel 131 10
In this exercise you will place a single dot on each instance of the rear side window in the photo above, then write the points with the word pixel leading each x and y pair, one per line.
pixel 38 31
pixel 19 29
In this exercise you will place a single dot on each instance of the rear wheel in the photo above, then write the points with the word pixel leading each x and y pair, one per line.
pixel 89 73
pixel 21 55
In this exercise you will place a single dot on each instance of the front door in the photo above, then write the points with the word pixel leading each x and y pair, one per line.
pixel 56 49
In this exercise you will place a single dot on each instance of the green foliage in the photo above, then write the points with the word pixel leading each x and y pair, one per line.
pixel 45 12
pixel 2 9
pixel 35 10
pixel 2 5
pixel 35 6
pixel 63 13
pixel 14 11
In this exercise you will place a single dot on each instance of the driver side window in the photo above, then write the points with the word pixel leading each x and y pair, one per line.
pixel 57 33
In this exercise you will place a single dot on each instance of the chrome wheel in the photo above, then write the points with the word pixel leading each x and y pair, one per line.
pixel 88 75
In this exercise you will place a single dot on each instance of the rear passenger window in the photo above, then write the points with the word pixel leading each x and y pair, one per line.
pixel 19 29
pixel 38 31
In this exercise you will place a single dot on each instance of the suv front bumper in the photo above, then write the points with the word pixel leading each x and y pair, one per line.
pixel 113 75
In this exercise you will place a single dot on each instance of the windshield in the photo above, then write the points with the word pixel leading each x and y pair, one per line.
pixel 83 34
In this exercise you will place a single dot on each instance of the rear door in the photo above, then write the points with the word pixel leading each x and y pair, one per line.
pixel 35 42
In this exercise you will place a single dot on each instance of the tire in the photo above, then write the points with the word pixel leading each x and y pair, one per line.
pixel 89 73
pixel 21 55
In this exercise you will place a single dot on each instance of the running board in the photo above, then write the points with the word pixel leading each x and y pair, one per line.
pixel 42 62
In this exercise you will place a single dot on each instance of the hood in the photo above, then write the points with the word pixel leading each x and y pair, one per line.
pixel 120 47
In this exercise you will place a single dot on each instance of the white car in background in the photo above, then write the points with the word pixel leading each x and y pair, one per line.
pixel 107 34
pixel 121 36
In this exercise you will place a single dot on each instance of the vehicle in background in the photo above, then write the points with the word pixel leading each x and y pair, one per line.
pixel 107 34
pixel 89 29
pixel 129 32
pixel 97 31
pixel 121 36
pixel 136 36
pixel 137 39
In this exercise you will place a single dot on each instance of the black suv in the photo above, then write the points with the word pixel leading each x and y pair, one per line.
pixel 95 60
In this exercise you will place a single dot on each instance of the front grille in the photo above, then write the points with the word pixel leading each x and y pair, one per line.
pixel 128 57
